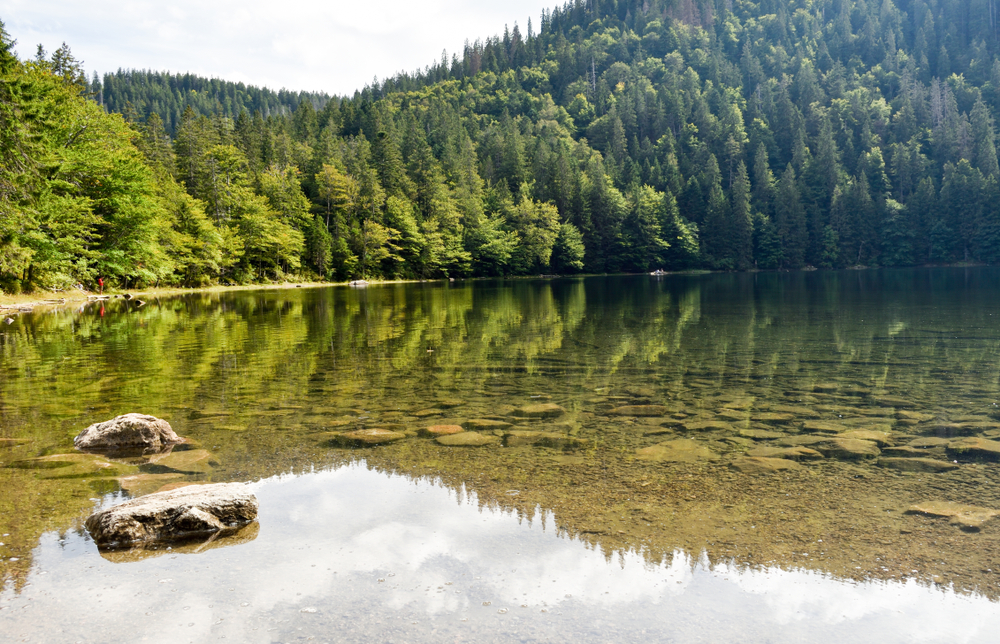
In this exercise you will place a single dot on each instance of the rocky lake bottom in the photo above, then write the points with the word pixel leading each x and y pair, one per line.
pixel 778 457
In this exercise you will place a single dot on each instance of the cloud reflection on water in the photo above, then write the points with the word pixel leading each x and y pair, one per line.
pixel 352 554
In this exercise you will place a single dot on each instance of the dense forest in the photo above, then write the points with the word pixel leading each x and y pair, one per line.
pixel 623 135
pixel 140 93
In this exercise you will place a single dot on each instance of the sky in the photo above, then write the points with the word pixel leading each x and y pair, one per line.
pixel 336 47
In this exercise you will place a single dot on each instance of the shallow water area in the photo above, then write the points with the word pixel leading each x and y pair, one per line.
pixel 355 555
pixel 770 457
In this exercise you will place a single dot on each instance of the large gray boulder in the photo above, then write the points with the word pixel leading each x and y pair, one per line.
pixel 128 432
pixel 184 513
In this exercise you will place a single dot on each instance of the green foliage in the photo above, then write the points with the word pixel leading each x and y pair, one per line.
pixel 623 136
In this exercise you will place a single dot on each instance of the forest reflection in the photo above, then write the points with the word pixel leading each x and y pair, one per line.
pixel 665 387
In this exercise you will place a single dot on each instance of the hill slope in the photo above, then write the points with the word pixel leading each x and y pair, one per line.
pixel 623 136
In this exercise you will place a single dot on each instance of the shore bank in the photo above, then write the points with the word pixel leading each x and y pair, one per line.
pixel 29 302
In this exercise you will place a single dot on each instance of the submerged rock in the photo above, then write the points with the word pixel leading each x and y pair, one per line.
pixel 477 424
pixel 540 410
pixel 823 426
pixel 773 417
pixel 791 453
pixel 917 416
pixel 763 465
pixel 913 452
pixel 74 466
pixel 640 410
pixel 520 438
pixel 185 513
pixel 468 439
pixel 708 426
pixel 797 410
pixel 917 464
pixel 372 436
pixel 192 461
pixel 893 401
pixel 127 432
pixel 879 438
pixel 441 430
pixel 143 484
pixel 974 449
pixel 850 449
pixel 969 518
pixel 681 450
pixel 929 442
pixel 760 434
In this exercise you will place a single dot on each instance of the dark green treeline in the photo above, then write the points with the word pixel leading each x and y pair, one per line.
pixel 625 135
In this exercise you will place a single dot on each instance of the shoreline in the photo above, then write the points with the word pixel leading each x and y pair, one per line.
pixel 13 305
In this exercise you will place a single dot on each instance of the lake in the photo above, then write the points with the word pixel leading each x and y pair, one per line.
pixel 772 457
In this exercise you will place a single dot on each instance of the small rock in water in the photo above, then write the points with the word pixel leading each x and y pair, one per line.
pixel 969 518
pixel 441 430
pixel 127 432
pixel 917 464
pixel 189 512
pixel 541 410
pixel 468 439
pixel 372 436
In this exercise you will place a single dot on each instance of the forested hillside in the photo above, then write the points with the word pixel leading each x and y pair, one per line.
pixel 625 135
pixel 139 93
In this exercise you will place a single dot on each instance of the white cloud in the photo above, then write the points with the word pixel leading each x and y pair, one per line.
pixel 336 47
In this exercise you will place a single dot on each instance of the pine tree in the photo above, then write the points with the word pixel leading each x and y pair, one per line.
pixel 741 223
pixel 790 219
